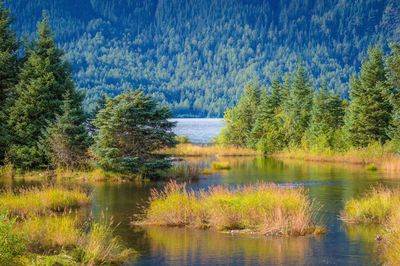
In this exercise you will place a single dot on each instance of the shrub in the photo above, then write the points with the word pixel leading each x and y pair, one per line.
pixel 182 139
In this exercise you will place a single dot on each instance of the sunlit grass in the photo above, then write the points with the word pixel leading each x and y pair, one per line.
pixel 213 150
pixel 51 233
pixel 261 208
pixel 34 201
pixel 381 207
pixel 376 207
pixel 383 157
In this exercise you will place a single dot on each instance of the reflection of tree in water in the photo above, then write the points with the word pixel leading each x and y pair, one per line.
pixel 187 246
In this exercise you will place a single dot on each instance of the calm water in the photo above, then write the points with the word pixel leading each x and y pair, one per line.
pixel 329 185
pixel 199 131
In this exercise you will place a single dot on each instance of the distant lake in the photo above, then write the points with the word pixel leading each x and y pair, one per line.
pixel 199 130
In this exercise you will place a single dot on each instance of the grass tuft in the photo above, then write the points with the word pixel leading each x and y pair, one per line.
pixel 376 207
pixel 371 167
pixel 261 208
pixel 34 201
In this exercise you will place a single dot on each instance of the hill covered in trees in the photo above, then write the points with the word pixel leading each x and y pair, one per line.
pixel 197 55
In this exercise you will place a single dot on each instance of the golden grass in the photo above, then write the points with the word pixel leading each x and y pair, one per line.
pixel 101 247
pixel 376 207
pixel 191 150
pixel 383 158
pixel 51 233
pixel 262 208
pixel 380 206
pixel 35 201
pixel 183 171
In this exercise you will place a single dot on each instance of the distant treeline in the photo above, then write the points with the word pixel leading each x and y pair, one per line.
pixel 197 55
pixel 43 124
pixel 291 114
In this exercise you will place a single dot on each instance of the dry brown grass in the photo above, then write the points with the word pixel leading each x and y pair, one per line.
pixel 261 208
pixel 191 150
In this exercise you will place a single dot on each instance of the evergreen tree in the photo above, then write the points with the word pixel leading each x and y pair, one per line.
pixel 8 75
pixel 298 107
pixel 240 120
pixel 393 76
pixel 44 79
pixel 66 141
pixel 326 118
pixel 130 128
pixel 370 109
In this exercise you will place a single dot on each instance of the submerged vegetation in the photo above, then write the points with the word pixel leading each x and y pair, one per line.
pixel 381 207
pixel 260 208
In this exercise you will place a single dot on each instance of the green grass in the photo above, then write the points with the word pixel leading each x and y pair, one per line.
pixel 261 208
pixel 31 202
pixel 371 167
pixel 376 207
pixel 380 206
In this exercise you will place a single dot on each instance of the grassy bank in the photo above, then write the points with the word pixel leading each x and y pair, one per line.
pixel 35 201
pixel 384 158
pixel 37 227
pixel 380 206
pixel 191 150
pixel 262 208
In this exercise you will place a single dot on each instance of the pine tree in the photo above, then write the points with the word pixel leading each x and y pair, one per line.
pixel 44 79
pixel 66 140
pixel 370 109
pixel 298 107
pixel 240 120
pixel 326 118
pixel 130 128
pixel 393 76
pixel 8 75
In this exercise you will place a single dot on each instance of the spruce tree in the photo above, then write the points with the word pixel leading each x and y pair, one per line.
pixel 370 110
pixel 130 128
pixel 240 120
pixel 8 75
pixel 298 107
pixel 326 118
pixel 66 140
pixel 393 76
pixel 44 79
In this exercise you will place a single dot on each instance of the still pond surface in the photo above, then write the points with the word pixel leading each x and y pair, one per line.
pixel 330 185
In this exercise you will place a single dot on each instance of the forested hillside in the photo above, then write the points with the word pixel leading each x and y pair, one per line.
pixel 197 55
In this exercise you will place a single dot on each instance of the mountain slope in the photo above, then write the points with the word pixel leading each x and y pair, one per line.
pixel 196 55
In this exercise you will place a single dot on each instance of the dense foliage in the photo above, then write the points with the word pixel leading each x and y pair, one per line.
pixel 130 128
pixel 288 115
pixel 43 124
pixel 198 55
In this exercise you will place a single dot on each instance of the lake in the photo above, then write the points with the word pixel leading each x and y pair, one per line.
pixel 199 130
pixel 329 185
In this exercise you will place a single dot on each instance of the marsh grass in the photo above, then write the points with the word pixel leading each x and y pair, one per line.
pixel 383 157
pixel 380 206
pixel 261 208
pixel 36 201
pixel 191 150
pixel 183 171
pixel 100 246
pixel 51 234
pixel 375 207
